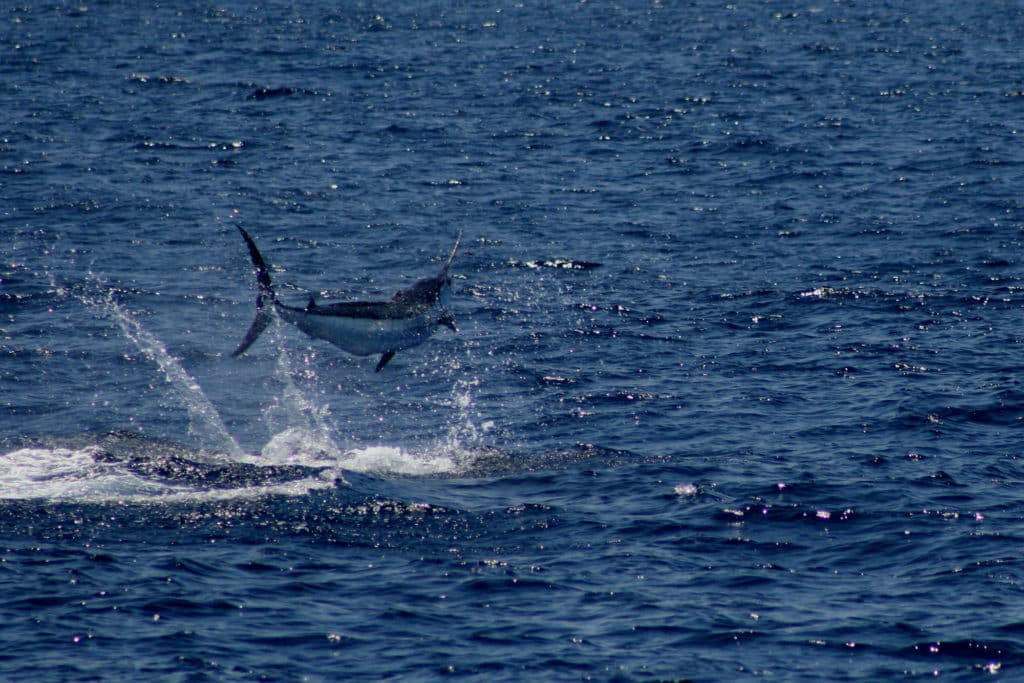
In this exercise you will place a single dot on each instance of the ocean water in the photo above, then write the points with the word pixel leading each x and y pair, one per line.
pixel 736 392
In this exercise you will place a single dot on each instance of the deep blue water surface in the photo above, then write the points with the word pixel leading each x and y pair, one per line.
pixel 736 393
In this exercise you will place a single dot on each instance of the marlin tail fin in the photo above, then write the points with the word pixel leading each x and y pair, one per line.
pixel 266 294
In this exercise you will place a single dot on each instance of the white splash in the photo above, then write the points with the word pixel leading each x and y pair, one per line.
pixel 298 446
pixel 393 460
pixel 306 432
pixel 301 428
pixel 204 418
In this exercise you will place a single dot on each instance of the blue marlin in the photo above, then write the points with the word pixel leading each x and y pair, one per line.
pixel 362 328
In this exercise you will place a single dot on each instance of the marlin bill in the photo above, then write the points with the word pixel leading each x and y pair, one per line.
pixel 362 328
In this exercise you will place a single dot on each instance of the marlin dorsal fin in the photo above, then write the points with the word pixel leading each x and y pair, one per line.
pixel 451 257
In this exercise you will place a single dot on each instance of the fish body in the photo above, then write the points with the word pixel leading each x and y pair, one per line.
pixel 362 328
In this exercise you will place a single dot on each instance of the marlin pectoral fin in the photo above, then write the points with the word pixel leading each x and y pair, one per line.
pixel 385 357
pixel 258 325
pixel 448 321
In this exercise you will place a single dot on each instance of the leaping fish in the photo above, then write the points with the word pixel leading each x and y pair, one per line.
pixel 362 328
